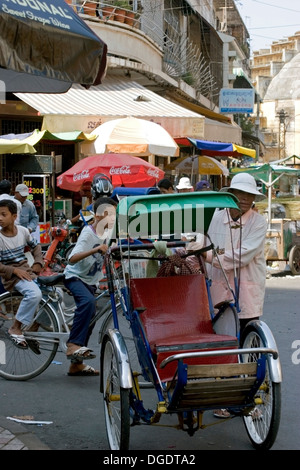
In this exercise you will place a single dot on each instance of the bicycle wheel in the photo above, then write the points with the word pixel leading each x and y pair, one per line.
pixel 124 328
pixel 262 422
pixel 294 260
pixel 116 401
pixel 24 364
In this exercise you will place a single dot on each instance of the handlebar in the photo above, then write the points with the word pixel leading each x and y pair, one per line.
pixel 146 246
pixel 115 251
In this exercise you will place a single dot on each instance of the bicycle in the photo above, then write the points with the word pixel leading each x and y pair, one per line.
pixel 48 331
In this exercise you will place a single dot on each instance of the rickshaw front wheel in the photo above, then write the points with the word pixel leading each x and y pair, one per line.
pixel 116 401
pixel 262 423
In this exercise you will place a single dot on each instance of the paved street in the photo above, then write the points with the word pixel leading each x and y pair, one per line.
pixel 74 405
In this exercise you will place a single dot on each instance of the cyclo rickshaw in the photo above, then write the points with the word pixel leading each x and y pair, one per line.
pixel 163 330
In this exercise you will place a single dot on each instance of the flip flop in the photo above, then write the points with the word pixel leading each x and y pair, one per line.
pixel 82 353
pixel 222 413
pixel 17 340
pixel 88 371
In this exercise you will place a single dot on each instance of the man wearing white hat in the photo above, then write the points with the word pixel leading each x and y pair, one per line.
pixel 225 230
pixel 184 185
pixel 28 216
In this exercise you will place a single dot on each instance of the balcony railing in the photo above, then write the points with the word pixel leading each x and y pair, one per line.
pixel 182 59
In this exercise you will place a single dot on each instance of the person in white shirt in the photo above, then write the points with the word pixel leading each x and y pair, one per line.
pixel 239 237
pixel 224 231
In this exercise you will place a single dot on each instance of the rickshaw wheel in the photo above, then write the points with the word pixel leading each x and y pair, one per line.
pixel 125 330
pixel 294 260
pixel 116 401
pixel 262 422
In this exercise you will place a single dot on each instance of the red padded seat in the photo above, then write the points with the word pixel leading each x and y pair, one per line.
pixel 176 319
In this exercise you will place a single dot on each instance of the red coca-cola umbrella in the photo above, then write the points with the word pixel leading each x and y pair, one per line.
pixel 123 169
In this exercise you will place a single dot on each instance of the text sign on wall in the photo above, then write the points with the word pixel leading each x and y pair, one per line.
pixel 236 100
pixel 38 186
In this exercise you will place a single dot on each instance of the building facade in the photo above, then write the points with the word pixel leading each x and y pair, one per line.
pixel 182 51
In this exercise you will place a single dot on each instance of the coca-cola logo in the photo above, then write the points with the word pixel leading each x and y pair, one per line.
pixel 83 175
pixel 153 172
pixel 121 170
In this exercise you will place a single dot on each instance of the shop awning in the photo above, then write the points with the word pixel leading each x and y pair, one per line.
pixel 24 143
pixel 117 97
pixel 215 124
pixel 120 97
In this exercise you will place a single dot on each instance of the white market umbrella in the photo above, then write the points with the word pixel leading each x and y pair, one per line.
pixel 134 136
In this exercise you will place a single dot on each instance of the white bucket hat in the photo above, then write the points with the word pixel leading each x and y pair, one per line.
pixel 245 182
pixel 184 183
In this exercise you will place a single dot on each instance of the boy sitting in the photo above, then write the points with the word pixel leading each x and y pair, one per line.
pixel 15 270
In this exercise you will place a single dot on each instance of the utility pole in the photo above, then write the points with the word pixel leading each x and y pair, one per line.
pixel 282 115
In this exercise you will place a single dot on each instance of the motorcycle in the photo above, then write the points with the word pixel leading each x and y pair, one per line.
pixel 63 241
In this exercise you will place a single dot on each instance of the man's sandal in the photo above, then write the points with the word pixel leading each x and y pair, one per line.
pixel 87 371
pixel 18 340
pixel 222 413
pixel 82 353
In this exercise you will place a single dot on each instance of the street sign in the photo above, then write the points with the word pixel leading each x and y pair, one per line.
pixel 236 100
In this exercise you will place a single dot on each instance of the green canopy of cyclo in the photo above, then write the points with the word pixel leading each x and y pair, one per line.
pixel 152 216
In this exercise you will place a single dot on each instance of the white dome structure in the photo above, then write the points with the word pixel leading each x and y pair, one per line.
pixel 286 84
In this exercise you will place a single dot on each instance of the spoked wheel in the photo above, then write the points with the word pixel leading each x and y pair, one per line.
pixel 24 364
pixel 125 330
pixel 294 260
pixel 116 401
pixel 262 422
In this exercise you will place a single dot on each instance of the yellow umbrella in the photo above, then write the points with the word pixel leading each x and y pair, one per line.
pixel 200 164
